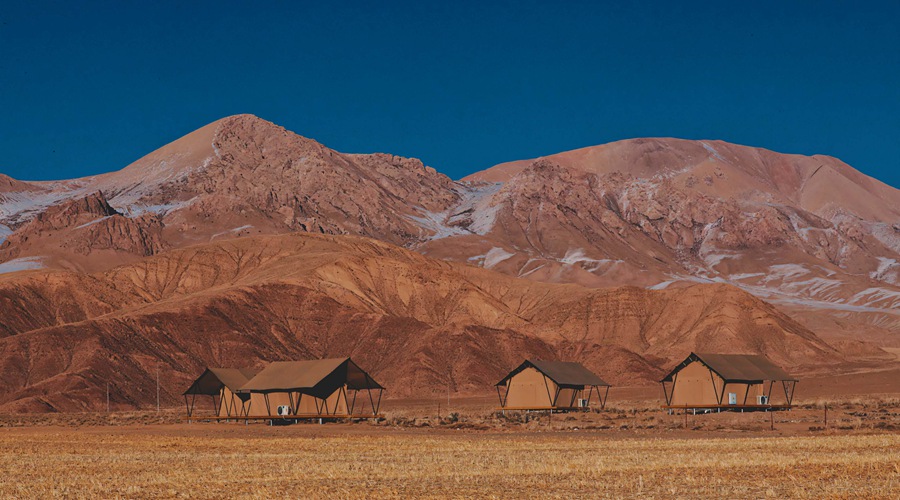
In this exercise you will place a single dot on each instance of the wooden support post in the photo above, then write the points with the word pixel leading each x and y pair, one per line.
pixel 378 404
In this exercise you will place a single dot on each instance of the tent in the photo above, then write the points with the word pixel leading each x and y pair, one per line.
pixel 550 385
pixel 221 385
pixel 727 381
pixel 318 388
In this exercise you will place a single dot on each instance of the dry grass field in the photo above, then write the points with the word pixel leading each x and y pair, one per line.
pixel 633 449
pixel 364 461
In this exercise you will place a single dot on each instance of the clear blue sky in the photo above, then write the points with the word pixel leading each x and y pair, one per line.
pixel 88 88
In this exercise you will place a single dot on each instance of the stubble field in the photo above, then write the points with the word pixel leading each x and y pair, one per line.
pixel 363 461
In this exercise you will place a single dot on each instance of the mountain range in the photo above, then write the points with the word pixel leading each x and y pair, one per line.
pixel 243 242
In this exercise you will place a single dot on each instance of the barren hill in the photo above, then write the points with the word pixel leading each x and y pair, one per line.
pixel 419 324
pixel 808 233
pixel 243 175
pixel 652 218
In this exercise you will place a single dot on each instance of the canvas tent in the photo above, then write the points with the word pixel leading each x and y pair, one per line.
pixel 318 388
pixel 550 385
pixel 220 384
pixel 727 381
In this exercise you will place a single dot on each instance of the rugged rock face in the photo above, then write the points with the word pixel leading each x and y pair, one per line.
pixel 85 230
pixel 243 175
pixel 809 234
pixel 647 212
pixel 418 324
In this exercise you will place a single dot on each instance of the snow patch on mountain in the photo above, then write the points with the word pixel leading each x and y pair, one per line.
pixel 872 300
pixel 495 256
pixel 91 223
pixel 714 259
pixel 877 297
pixel 887 234
pixel 476 207
pixel 712 150
pixel 744 276
pixel 162 173
pixel 888 271
pixel 823 288
pixel 19 207
pixel 577 256
pixel 785 272
pixel 474 214
pixel 661 285
pixel 523 273
pixel 435 222
pixel 231 231
pixel 21 264
pixel 138 209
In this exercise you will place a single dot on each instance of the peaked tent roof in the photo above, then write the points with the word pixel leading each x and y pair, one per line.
pixel 564 373
pixel 736 367
pixel 310 375
pixel 211 381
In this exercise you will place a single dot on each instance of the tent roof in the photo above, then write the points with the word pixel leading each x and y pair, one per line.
pixel 564 373
pixel 211 381
pixel 736 367
pixel 296 375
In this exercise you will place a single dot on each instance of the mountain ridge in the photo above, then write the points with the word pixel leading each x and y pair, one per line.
pixel 416 323
pixel 623 228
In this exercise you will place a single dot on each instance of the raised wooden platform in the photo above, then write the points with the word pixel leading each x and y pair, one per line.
pixel 545 408
pixel 729 407
pixel 213 418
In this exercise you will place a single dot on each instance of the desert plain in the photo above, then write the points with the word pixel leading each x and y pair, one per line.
pixel 631 449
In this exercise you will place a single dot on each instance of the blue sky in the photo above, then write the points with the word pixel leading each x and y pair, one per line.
pixel 88 88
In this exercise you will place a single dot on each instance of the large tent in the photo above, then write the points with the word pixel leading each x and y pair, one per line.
pixel 727 381
pixel 221 385
pixel 319 388
pixel 550 385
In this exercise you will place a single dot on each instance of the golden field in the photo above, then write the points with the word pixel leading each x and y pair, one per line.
pixel 364 461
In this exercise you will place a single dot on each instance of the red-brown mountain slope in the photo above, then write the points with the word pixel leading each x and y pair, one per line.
pixel 810 234
pixel 243 175
pixel 79 232
pixel 417 323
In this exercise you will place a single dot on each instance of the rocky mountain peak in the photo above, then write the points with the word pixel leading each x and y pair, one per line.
pixel 805 232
